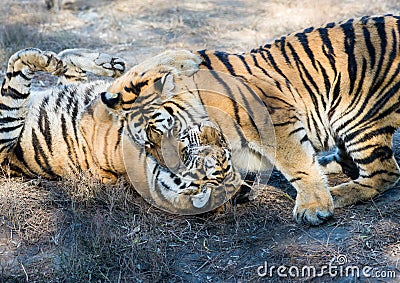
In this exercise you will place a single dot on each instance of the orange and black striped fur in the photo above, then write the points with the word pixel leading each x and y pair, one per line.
pixel 337 85
pixel 44 132
pixel 66 130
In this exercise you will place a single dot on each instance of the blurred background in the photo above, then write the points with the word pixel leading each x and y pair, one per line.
pixel 137 29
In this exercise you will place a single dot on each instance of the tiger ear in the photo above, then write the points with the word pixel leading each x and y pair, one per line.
pixel 167 85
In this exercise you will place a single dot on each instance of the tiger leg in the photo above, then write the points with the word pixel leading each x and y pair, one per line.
pixel 81 61
pixel 339 162
pixel 16 90
pixel 296 159
pixel 378 172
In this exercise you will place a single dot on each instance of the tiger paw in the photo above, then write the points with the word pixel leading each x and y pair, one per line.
pixel 113 66
pixel 36 60
pixel 175 61
pixel 80 61
pixel 313 210
pixel 351 193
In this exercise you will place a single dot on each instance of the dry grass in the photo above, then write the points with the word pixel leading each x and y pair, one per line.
pixel 78 230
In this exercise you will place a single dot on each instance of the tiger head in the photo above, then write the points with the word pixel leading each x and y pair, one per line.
pixel 183 156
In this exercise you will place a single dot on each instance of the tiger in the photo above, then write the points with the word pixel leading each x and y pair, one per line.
pixel 66 130
pixel 334 86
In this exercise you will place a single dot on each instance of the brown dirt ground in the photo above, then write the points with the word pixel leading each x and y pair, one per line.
pixel 82 231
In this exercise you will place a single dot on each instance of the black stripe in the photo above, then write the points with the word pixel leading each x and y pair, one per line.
pixel 336 98
pixel 247 106
pixel 316 127
pixel 19 154
pixel 271 60
pixel 337 88
pixel 8 108
pixel 119 136
pixel 367 136
pixel 10 128
pixel 44 124
pixel 271 97
pixel 4 147
pixel 40 156
pixel 389 65
pixel 327 84
pixel 296 131
pixel 302 37
pixel 282 42
pixel 206 60
pixel 302 69
pixel 84 160
pixel 110 172
pixel 257 65
pixel 222 82
pixel 88 98
pixel 105 153
pixel 358 94
pixel 135 88
pixel 304 139
pixel 295 179
pixel 74 118
pixel 380 103
pixel 357 97
pixel 392 57
pixel 241 57
pixel 333 109
pixel 65 136
pixel 377 80
pixel 7 140
pixel 349 41
pixel 15 74
pixel 5 120
pixel 364 20
pixel 224 58
pixel 370 47
pixel 327 48
pixel 61 95
pixel 369 146
pixel 382 153
pixel 14 94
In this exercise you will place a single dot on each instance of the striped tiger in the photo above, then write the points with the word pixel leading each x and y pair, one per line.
pixel 66 130
pixel 332 86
